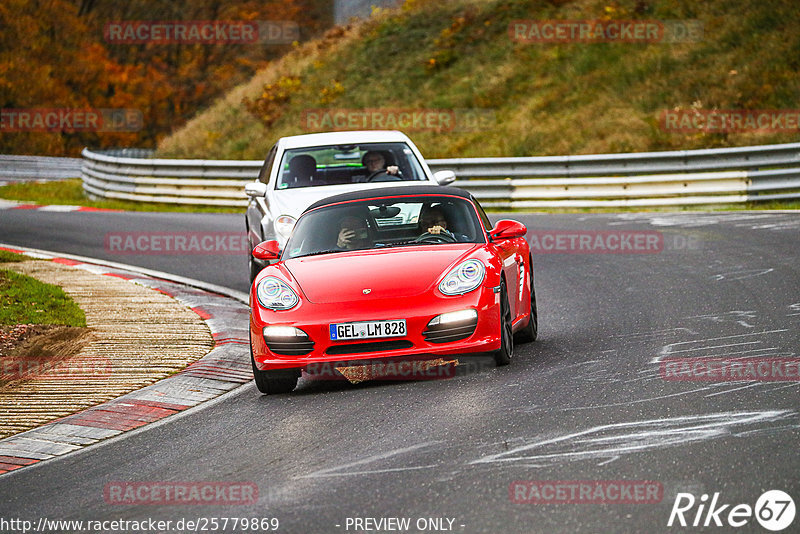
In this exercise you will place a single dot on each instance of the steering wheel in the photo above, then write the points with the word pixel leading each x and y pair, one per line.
pixel 390 177
pixel 444 237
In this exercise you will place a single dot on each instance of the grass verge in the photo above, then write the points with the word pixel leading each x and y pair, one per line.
pixel 25 300
pixel 6 256
pixel 70 193
pixel 745 206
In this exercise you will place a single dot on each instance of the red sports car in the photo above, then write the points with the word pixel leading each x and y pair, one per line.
pixel 396 272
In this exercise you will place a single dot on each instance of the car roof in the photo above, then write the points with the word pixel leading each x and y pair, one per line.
pixel 341 138
pixel 405 191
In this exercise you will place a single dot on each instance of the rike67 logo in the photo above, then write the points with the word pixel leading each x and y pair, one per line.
pixel 774 510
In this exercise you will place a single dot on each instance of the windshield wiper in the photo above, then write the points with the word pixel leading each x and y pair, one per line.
pixel 399 244
pixel 318 252
pixel 376 246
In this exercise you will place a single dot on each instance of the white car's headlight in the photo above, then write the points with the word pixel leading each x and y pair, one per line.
pixel 283 227
pixel 275 294
pixel 463 278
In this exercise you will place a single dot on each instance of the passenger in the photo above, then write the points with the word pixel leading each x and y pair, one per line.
pixel 353 234
pixel 302 170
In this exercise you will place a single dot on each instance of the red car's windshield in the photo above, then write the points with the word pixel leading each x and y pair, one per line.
pixel 382 223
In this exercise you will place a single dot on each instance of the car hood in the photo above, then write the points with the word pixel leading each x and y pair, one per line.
pixel 389 273
pixel 295 201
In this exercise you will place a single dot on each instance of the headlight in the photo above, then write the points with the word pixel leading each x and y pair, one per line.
pixel 275 294
pixel 283 227
pixel 463 278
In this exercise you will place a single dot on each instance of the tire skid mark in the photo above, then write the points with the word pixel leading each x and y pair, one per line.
pixel 671 348
pixel 343 470
pixel 605 442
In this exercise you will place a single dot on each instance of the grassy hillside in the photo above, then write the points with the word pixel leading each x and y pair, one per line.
pixel 535 99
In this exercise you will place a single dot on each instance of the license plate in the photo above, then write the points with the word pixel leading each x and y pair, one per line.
pixel 368 330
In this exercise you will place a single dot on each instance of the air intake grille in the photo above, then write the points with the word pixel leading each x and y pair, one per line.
pixel 360 348
pixel 446 334
pixel 298 346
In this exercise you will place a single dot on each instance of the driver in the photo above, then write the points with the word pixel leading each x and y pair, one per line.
pixel 375 163
pixel 433 221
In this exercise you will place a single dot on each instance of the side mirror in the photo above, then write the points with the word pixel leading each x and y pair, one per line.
pixel 444 177
pixel 267 250
pixel 255 189
pixel 507 229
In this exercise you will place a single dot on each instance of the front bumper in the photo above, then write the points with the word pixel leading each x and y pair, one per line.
pixel 420 339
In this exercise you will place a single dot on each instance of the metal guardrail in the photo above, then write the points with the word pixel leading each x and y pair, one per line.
pixel 685 177
pixel 174 181
pixel 38 168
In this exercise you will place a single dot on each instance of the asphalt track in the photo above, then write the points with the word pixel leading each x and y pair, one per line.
pixel 587 402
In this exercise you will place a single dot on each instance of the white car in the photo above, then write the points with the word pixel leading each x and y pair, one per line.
pixel 303 169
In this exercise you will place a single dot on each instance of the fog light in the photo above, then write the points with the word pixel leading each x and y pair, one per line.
pixel 287 340
pixel 461 316
pixel 283 332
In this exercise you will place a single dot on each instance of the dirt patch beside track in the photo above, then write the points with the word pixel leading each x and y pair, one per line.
pixel 134 337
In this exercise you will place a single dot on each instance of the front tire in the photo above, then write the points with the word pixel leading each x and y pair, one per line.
pixel 530 332
pixel 506 352
pixel 273 382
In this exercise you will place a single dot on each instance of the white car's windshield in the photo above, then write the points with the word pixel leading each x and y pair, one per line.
pixel 348 164
pixel 383 223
